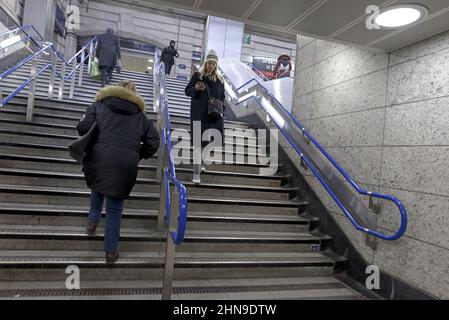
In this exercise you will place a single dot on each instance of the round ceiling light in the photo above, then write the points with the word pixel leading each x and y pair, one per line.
pixel 399 16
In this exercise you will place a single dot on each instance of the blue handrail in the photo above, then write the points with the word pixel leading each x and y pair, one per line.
pixel 47 66
pixel 24 28
pixel 24 61
pixel 169 174
pixel 13 44
pixel 360 190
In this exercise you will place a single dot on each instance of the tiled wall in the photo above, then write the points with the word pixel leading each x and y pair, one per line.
pixel 385 118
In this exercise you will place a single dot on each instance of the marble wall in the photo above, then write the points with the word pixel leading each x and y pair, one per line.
pixel 385 118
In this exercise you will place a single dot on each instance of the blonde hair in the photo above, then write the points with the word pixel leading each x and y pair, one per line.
pixel 214 76
pixel 128 84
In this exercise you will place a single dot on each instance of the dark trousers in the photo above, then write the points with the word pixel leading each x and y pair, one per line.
pixel 106 74
pixel 114 209
pixel 168 67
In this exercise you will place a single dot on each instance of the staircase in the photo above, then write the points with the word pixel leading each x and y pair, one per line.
pixel 248 236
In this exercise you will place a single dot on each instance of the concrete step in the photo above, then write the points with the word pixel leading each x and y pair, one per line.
pixel 25 133
pixel 138 200
pixel 51 266
pixel 223 174
pixel 63 122
pixel 87 91
pixel 175 110
pixel 211 167
pixel 13 144
pixel 46 178
pixel 125 74
pixel 78 112
pixel 71 238
pixel 45 215
pixel 142 81
pixel 326 288
pixel 89 88
pixel 78 109
pixel 52 117
pixel 75 114
pixel 182 151
pixel 176 103
pixel 17 123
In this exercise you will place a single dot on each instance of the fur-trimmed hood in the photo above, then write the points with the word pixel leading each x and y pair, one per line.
pixel 122 93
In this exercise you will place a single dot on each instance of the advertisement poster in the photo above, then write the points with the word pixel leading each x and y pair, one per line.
pixel 265 65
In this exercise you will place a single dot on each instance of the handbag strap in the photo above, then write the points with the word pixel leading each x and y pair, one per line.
pixel 208 90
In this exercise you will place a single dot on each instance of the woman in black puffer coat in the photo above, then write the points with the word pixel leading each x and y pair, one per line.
pixel 125 136
pixel 207 78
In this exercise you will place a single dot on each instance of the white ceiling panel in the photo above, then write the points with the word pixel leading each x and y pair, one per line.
pixel 338 20
pixel 432 5
pixel 227 8
pixel 281 12
pixel 420 32
pixel 334 15
pixel 187 3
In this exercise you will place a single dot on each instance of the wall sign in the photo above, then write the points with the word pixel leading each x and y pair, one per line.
pixel 196 55
pixel 247 38
pixel 181 77
pixel 182 66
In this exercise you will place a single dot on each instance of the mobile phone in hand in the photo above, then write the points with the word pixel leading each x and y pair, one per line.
pixel 201 84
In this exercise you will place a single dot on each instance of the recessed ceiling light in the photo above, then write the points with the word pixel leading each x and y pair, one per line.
pixel 399 16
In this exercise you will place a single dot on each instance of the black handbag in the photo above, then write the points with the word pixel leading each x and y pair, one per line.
pixel 215 107
pixel 79 147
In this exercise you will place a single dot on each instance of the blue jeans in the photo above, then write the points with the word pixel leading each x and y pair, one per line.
pixel 114 209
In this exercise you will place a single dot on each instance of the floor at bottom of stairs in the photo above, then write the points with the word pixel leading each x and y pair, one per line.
pixel 304 288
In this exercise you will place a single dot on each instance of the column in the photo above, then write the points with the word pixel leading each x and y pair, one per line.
pixel 225 36
pixel 41 14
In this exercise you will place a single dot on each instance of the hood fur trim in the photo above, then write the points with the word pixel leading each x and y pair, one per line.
pixel 122 93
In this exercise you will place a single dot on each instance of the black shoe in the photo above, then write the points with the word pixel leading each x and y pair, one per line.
pixel 112 257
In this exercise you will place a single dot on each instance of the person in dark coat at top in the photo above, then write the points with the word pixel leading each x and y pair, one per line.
pixel 108 50
pixel 124 136
pixel 168 56
pixel 207 76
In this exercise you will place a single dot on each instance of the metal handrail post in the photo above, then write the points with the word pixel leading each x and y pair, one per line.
pixel 51 84
pixel 81 71
pixel 91 57
pixel 61 82
pixel 170 249
pixel 72 81
pixel 163 164
pixel 1 93
pixel 32 92
pixel 160 124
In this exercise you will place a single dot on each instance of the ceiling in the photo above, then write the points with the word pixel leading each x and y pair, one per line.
pixel 338 20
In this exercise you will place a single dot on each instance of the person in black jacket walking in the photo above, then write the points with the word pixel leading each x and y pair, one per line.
pixel 124 136
pixel 168 56
pixel 108 50
pixel 197 89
